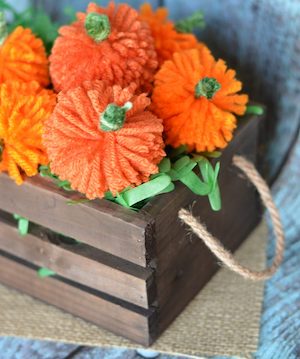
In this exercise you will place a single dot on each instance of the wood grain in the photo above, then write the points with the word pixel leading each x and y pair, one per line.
pixel 184 264
pixel 100 223
pixel 129 321
pixel 81 263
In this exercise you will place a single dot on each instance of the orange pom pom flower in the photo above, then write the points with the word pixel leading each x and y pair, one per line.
pixel 167 39
pixel 23 110
pixel 109 44
pixel 22 56
pixel 197 98
pixel 101 138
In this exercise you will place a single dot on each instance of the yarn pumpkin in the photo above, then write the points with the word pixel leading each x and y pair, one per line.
pixel 22 56
pixel 23 109
pixel 167 39
pixel 102 138
pixel 109 44
pixel 197 98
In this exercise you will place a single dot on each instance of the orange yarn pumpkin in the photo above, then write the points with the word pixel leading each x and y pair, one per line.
pixel 109 44
pixel 23 58
pixel 23 109
pixel 167 39
pixel 196 97
pixel 102 138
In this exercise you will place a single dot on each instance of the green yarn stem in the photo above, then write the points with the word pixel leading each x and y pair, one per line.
pixel 97 26
pixel 207 87
pixel 3 28
pixel 113 118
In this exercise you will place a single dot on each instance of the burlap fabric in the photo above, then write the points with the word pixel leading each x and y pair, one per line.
pixel 223 319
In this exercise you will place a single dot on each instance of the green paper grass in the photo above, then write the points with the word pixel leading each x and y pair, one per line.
pixel 182 169
pixel 254 110
pixel 45 272
pixel 23 224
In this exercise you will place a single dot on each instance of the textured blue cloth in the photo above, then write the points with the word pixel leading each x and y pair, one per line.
pixel 280 324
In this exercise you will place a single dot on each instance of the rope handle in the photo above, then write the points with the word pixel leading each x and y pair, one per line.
pixel 217 248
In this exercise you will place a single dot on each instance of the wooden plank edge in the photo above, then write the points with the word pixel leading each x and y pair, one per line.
pixel 100 223
pixel 81 264
pixel 129 321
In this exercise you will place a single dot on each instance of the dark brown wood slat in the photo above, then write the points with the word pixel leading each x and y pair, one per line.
pixel 184 264
pixel 82 264
pixel 137 325
pixel 100 223
pixel 165 208
pixel 194 264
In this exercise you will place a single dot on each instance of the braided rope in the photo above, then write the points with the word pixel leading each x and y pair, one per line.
pixel 217 247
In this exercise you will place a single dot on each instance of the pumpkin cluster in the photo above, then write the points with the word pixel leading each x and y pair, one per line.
pixel 123 84
pixel 24 102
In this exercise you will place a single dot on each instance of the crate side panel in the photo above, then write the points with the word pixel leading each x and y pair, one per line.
pixel 80 263
pixel 101 224
pixel 184 263
pixel 111 316
pixel 188 272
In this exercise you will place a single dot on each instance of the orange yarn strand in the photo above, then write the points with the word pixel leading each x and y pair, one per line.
pixel 23 58
pixel 167 39
pixel 23 109
pixel 197 98
pixel 99 143
pixel 122 54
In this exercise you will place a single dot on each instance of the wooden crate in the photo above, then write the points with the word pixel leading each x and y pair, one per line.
pixel 130 272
